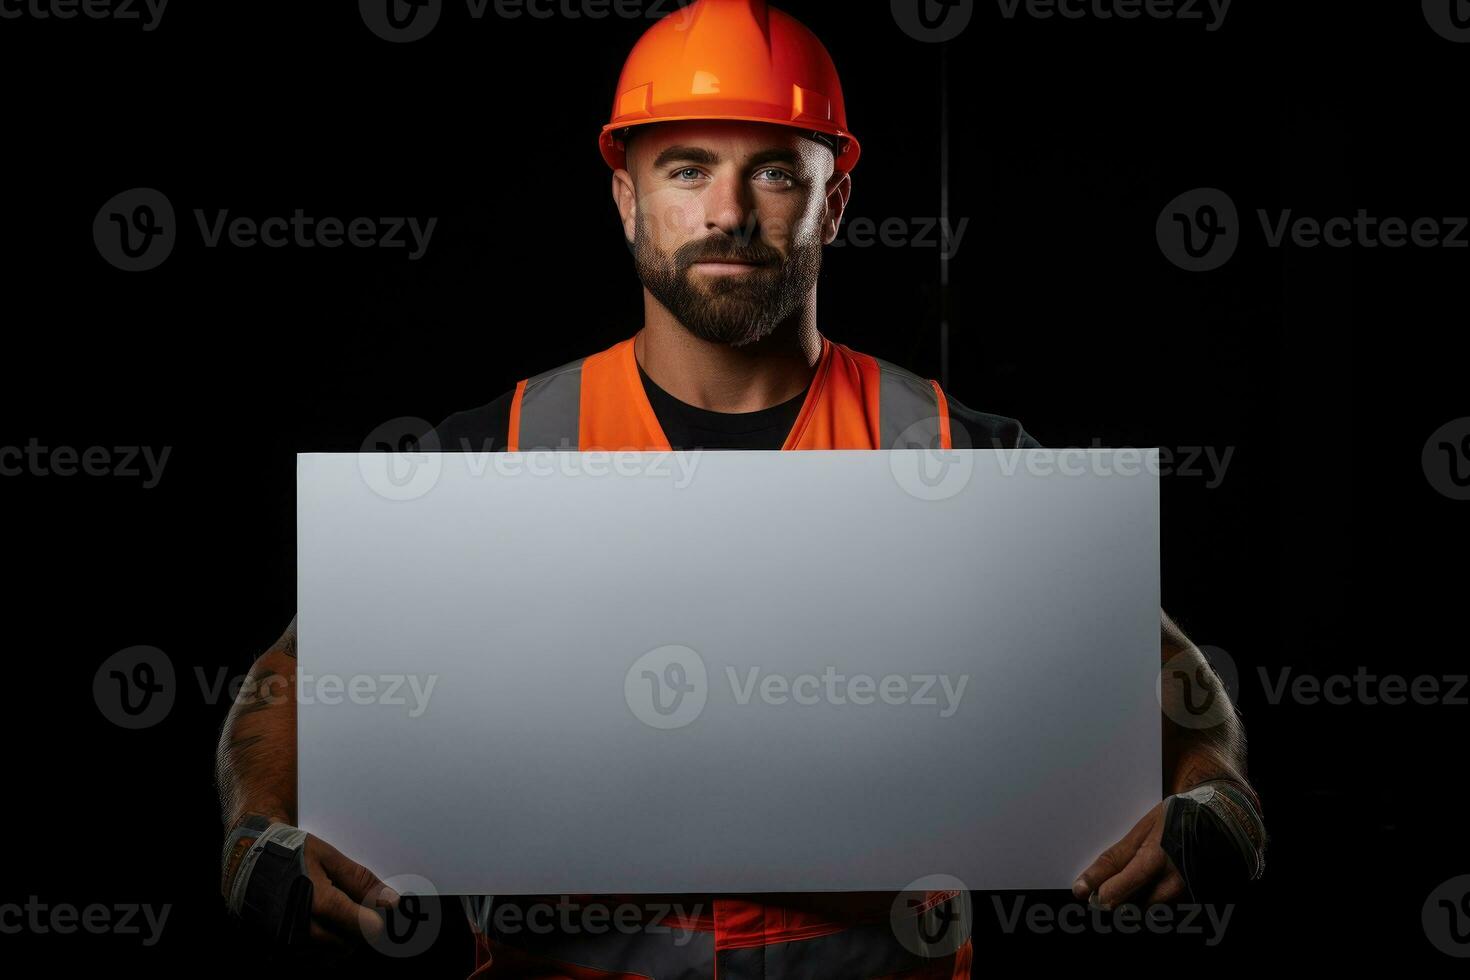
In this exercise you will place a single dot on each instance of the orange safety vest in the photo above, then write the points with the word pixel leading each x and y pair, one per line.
pixel 855 401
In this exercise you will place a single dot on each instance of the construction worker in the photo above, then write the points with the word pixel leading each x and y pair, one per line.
pixel 732 164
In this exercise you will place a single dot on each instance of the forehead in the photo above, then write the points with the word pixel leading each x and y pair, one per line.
pixel 720 140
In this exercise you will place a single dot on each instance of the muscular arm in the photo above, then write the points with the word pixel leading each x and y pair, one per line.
pixel 1203 741
pixel 255 762
pixel 1216 748
pixel 255 769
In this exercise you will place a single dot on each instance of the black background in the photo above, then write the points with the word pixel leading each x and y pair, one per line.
pixel 1324 548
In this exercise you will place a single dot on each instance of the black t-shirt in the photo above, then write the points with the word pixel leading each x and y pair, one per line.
pixel 687 427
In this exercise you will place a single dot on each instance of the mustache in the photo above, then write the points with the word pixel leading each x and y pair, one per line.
pixel 725 250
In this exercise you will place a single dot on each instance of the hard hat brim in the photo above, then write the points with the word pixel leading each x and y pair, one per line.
pixel 613 151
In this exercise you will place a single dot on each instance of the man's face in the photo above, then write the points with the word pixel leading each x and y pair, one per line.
pixel 727 222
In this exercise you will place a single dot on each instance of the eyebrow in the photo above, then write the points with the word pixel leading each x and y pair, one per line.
pixel 698 154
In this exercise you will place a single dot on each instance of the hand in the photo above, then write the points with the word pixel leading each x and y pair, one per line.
pixel 1135 867
pixel 344 898
pixel 280 864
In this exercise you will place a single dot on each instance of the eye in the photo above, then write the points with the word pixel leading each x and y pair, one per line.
pixel 775 175
pixel 692 173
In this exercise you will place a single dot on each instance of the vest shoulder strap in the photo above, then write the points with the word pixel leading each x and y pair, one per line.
pixel 546 410
pixel 912 411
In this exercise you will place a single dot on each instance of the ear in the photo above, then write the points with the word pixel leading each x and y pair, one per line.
pixel 626 199
pixel 839 188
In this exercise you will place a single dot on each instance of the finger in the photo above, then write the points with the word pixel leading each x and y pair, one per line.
pixel 333 909
pixel 1113 860
pixel 1168 891
pixel 1148 866
pixel 360 884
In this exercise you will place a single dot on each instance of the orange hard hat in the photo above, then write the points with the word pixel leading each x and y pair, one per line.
pixel 736 60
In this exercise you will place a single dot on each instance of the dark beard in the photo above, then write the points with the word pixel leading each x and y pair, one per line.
pixel 732 310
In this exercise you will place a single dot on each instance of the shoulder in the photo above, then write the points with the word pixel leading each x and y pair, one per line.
pixel 970 429
pixel 482 429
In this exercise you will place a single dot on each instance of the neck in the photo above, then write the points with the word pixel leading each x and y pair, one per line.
pixel 721 378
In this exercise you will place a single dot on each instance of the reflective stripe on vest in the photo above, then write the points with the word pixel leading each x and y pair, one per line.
pixel 855 402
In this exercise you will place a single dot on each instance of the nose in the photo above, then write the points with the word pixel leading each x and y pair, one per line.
pixel 729 206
